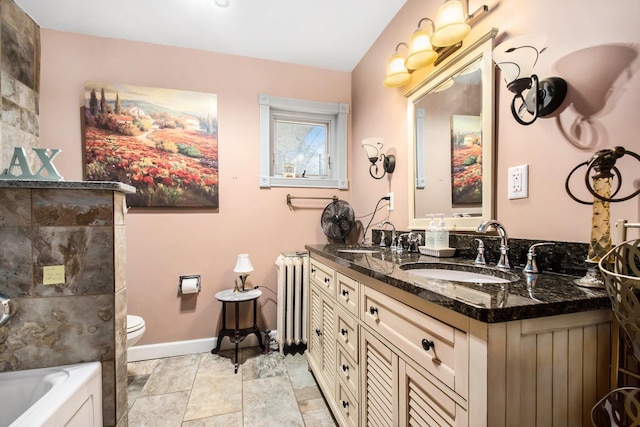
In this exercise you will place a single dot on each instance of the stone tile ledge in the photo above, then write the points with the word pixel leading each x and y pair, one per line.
pixel 70 185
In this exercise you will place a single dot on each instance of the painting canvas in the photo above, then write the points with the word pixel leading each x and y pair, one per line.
pixel 163 142
pixel 466 160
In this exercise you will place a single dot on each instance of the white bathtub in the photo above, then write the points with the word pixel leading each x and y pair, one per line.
pixel 61 396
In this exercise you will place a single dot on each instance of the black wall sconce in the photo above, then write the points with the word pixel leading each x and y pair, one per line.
pixel 533 98
pixel 373 147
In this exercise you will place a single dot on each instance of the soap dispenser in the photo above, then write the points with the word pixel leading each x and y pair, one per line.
pixel 430 233
pixel 441 238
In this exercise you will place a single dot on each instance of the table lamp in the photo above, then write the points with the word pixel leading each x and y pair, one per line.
pixel 243 266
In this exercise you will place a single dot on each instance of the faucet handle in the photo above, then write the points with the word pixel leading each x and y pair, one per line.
pixel 480 256
pixel 531 266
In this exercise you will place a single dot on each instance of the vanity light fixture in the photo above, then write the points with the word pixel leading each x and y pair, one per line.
pixel 431 47
pixel 421 53
pixel 373 147
pixel 244 267
pixel 397 73
pixel 533 98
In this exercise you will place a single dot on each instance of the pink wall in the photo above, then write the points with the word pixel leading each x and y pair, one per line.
pixel 586 42
pixel 163 245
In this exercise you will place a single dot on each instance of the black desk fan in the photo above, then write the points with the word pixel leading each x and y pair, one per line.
pixel 337 220
pixel 603 163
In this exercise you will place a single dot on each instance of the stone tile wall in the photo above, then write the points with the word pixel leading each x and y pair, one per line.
pixel 82 319
pixel 19 82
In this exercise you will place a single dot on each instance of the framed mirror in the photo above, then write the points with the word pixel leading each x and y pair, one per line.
pixel 451 140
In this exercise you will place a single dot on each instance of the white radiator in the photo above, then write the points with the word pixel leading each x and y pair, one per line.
pixel 293 270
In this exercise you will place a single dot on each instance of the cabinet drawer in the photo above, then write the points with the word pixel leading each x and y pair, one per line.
pixel 348 293
pixel 348 371
pixel 323 276
pixel 347 333
pixel 347 405
pixel 437 347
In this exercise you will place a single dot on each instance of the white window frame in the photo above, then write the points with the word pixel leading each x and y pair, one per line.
pixel 337 141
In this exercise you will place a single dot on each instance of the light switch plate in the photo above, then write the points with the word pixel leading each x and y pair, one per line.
pixel 519 182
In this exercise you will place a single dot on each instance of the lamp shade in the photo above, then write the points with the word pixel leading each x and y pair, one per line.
pixel 243 265
pixel 372 146
pixel 451 26
pixel 397 73
pixel 421 53
pixel 516 57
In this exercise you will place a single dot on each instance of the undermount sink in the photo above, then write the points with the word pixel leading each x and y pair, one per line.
pixel 358 251
pixel 455 275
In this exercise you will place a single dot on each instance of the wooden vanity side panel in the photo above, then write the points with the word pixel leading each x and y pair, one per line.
pixel 554 370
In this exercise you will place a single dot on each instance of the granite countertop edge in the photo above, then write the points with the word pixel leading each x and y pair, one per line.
pixel 551 293
pixel 68 185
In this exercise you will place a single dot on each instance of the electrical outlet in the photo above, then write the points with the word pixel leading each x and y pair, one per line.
pixel 390 201
pixel 519 182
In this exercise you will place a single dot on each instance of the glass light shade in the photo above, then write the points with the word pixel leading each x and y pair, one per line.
pixel 516 57
pixel 397 73
pixel 421 53
pixel 372 146
pixel 451 26
pixel 243 265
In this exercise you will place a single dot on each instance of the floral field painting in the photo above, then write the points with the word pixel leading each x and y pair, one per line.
pixel 466 160
pixel 163 142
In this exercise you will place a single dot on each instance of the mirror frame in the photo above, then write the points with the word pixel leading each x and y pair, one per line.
pixel 481 48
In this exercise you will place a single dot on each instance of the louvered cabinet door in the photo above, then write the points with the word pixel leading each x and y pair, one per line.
pixel 379 376
pixel 315 325
pixel 328 344
pixel 423 404
pixel 322 339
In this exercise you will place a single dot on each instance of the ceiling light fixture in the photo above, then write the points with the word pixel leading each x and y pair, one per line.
pixel 431 47
pixel 223 3
pixel 533 98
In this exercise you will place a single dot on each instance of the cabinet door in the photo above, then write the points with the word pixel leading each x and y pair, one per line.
pixel 322 339
pixel 315 327
pixel 422 403
pixel 379 376
pixel 328 343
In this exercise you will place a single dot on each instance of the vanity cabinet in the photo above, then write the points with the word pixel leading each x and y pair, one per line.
pixel 388 357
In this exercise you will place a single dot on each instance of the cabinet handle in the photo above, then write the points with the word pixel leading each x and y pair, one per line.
pixel 327 280
pixel 313 270
pixel 428 344
pixel 318 332
pixel 343 331
pixel 373 310
pixel 345 293
pixel 345 368
pixel 345 404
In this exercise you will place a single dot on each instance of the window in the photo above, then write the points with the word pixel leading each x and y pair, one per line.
pixel 302 143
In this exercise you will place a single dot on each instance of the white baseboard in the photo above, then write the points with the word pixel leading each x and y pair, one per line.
pixel 180 348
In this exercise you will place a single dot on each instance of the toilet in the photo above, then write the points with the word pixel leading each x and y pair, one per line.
pixel 135 329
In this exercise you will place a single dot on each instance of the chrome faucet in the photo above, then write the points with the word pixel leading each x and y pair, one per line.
pixel 504 241
pixel 393 233
pixel 531 266
pixel 414 240
pixel 5 309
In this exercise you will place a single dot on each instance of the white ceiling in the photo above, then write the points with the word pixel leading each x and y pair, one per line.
pixel 332 34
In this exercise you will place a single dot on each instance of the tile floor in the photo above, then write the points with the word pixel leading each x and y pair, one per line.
pixel 201 390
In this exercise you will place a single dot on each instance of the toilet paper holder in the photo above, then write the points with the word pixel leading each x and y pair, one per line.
pixel 189 284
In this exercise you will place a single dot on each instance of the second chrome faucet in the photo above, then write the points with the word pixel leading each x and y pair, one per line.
pixel 503 262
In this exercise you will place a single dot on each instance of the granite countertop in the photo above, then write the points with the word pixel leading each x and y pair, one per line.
pixel 526 296
pixel 71 185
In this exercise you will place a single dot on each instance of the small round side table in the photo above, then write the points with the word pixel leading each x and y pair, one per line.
pixel 237 334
